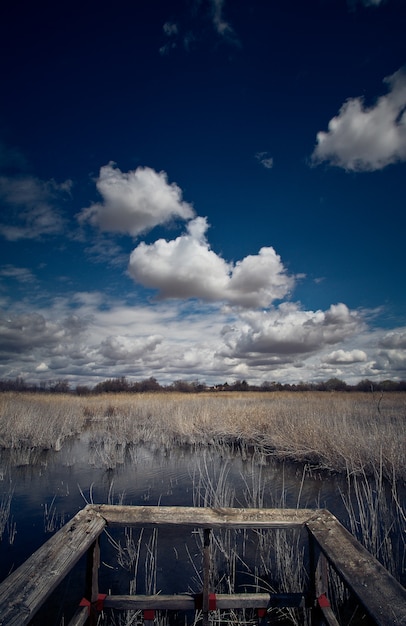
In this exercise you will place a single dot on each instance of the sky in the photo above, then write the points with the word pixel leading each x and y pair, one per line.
pixel 207 190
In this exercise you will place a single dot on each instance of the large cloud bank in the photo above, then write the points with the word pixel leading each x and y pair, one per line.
pixel 104 338
pixel 363 138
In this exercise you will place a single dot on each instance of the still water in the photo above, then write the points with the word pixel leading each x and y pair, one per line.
pixel 48 488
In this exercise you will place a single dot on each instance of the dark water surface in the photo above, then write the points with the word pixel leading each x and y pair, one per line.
pixel 48 488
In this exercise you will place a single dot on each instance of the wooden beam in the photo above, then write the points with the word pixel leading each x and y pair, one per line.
pixel 187 601
pixel 383 598
pixel 26 589
pixel 202 517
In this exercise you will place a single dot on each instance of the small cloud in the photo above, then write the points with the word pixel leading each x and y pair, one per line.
pixel 33 206
pixel 345 357
pixel 366 3
pixel 134 202
pixel 223 28
pixel 367 139
pixel 42 367
pixel 195 26
pixel 170 29
pixel 127 349
pixel 21 274
pixel 393 340
pixel 265 159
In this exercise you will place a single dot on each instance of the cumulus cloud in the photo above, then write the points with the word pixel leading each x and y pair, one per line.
pixel 33 205
pixel 394 340
pixel 186 267
pixel 126 349
pixel 288 332
pixel 174 339
pixel 363 138
pixel 346 357
pixel 24 333
pixel 392 361
pixel 134 202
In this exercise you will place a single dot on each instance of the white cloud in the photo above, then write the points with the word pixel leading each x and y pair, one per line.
pixel 126 348
pixel 265 159
pixel 391 360
pixel 222 27
pixel 135 201
pixel 281 334
pixel 34 207
pixel 195 21
pixel 346 357
pixel 394 339
pixel 175 339
pixel 367 139
pixel 186 267
pixel 170 29
pixel 42 367
pixel 25 333
pixel 21 274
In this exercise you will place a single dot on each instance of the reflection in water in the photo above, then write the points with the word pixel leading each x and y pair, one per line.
pixel 49 487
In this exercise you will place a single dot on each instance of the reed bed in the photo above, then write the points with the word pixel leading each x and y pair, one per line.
pixel 337 432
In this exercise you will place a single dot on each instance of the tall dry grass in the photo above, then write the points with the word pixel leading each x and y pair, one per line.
pixel 340 432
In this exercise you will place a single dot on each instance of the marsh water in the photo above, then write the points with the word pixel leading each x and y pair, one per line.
pixel 47 488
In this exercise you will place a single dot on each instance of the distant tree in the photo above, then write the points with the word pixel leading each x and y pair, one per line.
pixel 112 385
pixel 335 384
pixel 181 386
pixel 388 385
pixel 271 386
pixel 61 386
pixel 365 385
pixel 83 390
pixel 150 384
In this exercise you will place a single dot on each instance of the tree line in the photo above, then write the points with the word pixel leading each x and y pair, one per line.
pixel 124 385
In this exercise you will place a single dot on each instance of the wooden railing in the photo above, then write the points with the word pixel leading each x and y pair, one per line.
pixel 28 588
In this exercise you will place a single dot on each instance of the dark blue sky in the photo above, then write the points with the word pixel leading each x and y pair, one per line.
pixel 207 189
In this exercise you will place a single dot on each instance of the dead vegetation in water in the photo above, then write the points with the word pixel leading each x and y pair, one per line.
pixel 339 432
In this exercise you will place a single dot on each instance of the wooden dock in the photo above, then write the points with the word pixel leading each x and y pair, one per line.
pixel 330 546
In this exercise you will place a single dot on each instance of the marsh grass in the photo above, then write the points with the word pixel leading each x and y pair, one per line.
pixel 7 523
pixel 357 435
pixel 337 432
pixel 241 559
pixel 53 520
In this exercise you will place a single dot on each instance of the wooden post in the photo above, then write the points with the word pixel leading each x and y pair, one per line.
pixel 321 612
pixel 92 579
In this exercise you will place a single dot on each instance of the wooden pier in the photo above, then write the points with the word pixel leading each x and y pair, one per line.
pixel 330 546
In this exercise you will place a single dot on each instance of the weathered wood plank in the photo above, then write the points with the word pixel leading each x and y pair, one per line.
pixel 203 517
pixel 187 602
pixel 381 595
pixel 26 589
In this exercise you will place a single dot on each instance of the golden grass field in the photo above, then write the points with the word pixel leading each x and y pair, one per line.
pixel 336 431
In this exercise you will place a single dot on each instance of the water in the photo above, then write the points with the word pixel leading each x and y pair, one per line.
pixel 48 488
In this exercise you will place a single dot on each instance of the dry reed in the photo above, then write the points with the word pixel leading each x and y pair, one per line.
pixel 340 432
